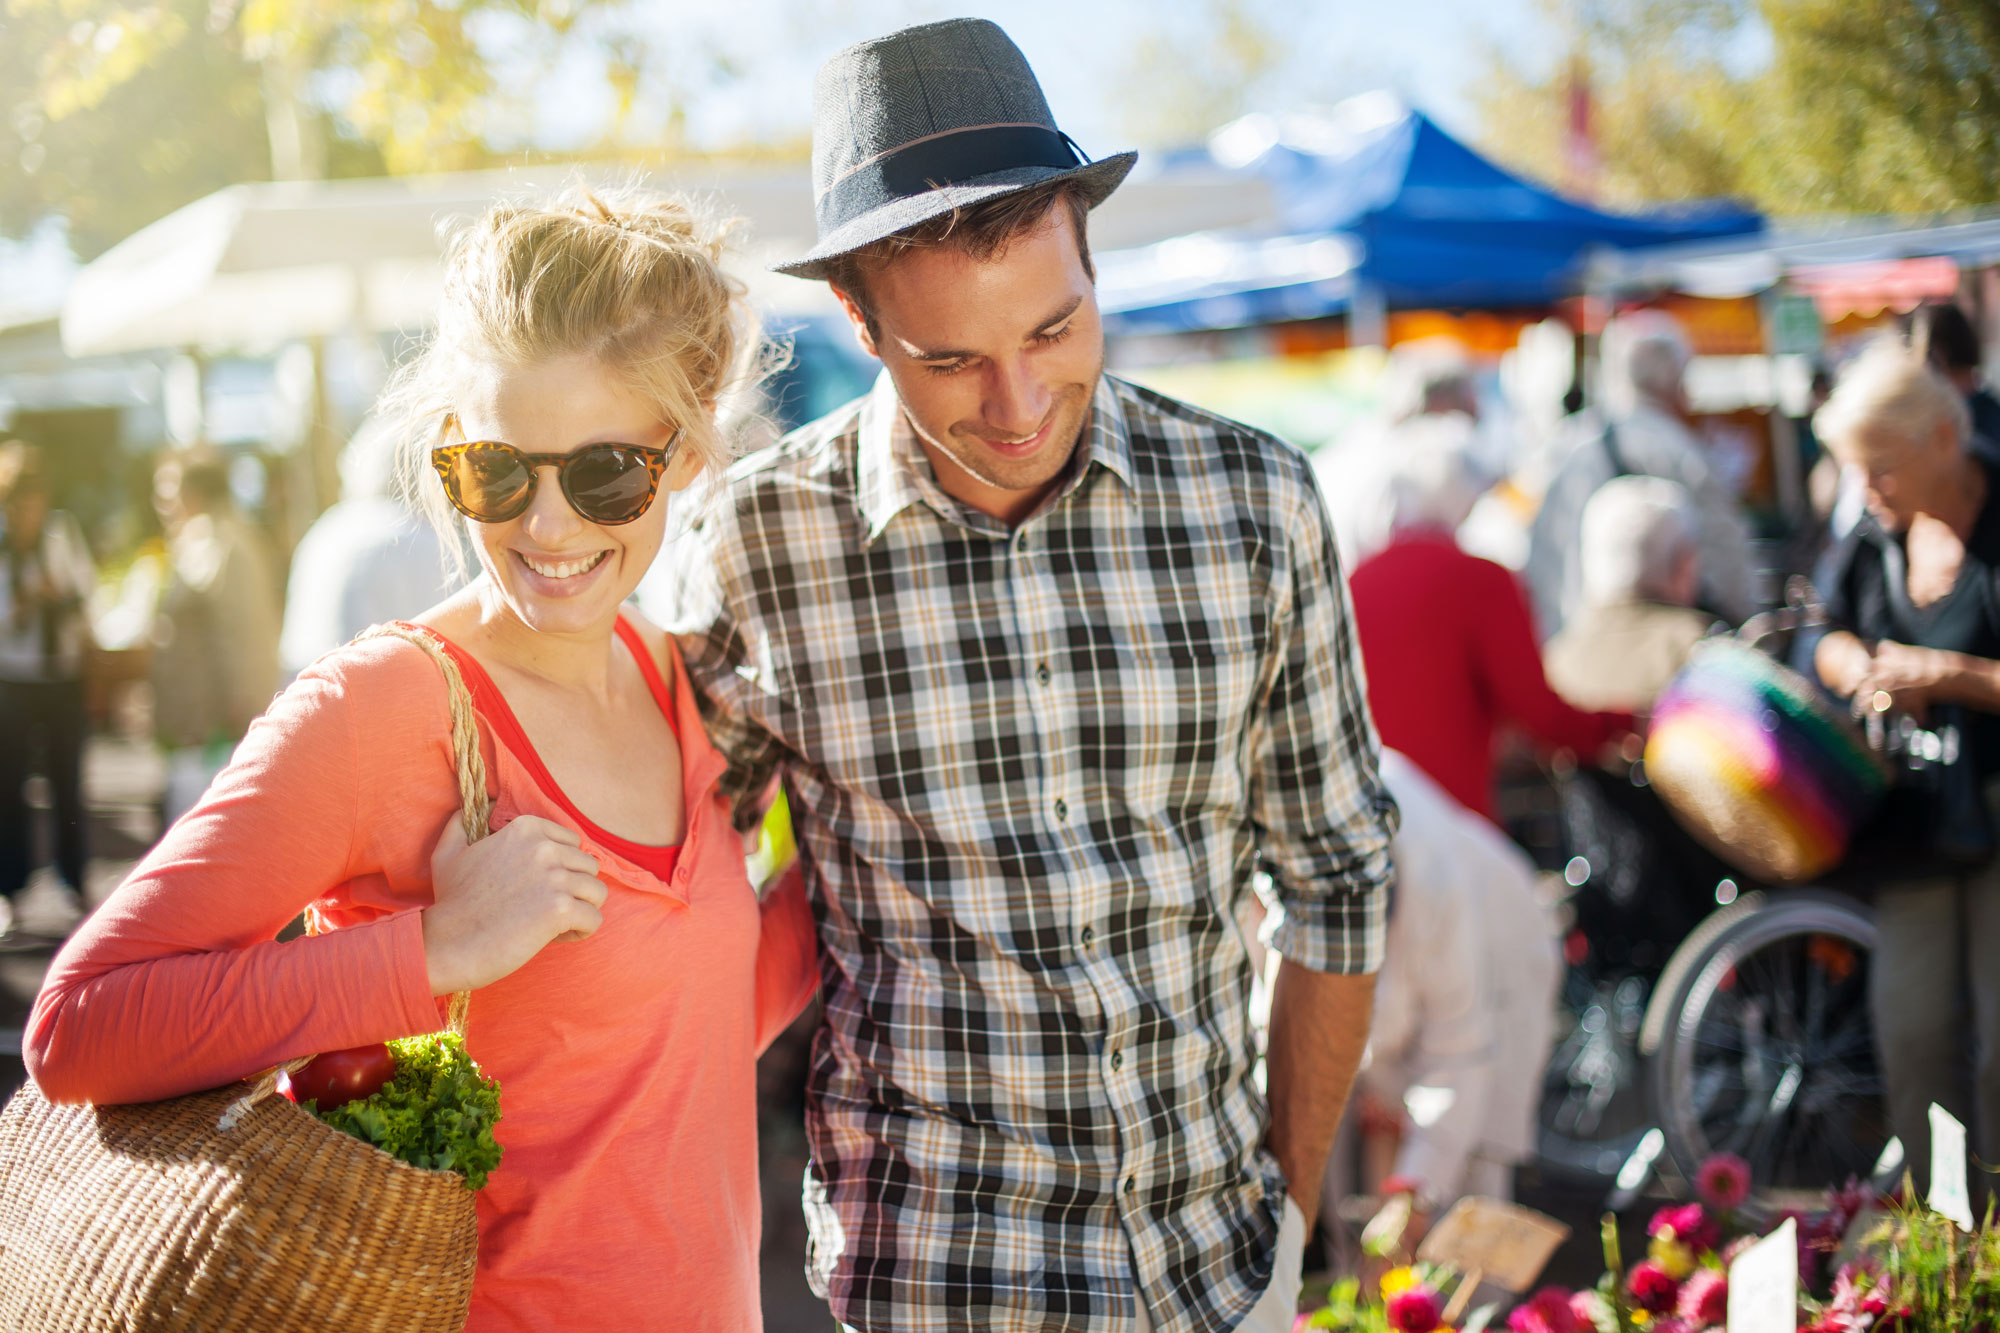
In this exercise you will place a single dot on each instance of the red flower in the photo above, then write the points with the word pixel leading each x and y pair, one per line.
pixel 1547 1311
pixel 1704 1297
pixel 1417 1310
pixel 1723 1182
pixel 1652 1287
pixel 1690 1224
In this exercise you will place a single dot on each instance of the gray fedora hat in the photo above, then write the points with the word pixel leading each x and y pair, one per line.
pixel 923 121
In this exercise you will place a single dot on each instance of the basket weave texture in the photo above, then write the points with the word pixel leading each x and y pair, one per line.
pixel 150 1217
pixel 156 1217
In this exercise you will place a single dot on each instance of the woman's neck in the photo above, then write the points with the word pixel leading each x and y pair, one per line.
pixel 581 662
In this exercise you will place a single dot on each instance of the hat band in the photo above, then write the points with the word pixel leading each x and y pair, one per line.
pixel 943 159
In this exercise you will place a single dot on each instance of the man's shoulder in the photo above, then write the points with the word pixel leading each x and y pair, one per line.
pixel 1170 438
pixel 815 452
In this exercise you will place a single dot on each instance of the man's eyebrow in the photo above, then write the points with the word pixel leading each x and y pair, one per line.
pixel 915 353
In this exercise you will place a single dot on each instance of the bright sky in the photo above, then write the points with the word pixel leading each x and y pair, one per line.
pixel 744 70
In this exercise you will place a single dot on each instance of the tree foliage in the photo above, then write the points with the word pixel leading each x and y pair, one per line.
pixel 1800 106
pixel 121 110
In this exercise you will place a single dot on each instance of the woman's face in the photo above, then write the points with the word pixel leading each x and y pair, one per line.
pixel 1905 477
pixel 556 571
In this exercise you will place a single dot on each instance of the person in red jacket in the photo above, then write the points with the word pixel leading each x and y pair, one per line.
pixel 1446 637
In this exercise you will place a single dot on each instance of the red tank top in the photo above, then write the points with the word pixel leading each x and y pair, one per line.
pixel 492 705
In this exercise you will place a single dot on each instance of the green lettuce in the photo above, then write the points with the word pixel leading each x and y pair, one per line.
pixel 438 1111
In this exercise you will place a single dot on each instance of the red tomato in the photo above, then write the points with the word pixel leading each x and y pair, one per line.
pixel 339 1077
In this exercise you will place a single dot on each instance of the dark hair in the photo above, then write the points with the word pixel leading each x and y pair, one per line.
pixel 1942 335
pixel 980 230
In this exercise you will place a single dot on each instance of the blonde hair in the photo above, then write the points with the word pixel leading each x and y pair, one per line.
pixel 630 279
pixel 1892 388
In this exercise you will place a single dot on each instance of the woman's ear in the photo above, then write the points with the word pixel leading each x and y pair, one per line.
pixel 683 468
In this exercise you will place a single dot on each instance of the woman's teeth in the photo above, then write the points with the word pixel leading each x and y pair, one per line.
pixel 567 569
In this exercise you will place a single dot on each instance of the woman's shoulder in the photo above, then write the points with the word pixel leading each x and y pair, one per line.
pixel 390 684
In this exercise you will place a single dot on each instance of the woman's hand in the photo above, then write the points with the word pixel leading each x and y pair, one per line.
pixel 501 900
pixel 1906 678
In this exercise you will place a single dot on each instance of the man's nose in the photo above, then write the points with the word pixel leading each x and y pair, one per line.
pixel 1017 402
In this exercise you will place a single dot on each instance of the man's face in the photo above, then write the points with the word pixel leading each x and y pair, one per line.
pixel 995 360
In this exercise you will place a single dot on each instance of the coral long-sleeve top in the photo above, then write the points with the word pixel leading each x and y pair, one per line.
pixel 1449 648
pixel 627 1196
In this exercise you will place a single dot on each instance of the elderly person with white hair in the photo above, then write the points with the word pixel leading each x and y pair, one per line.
pixel 1914 598
pixel 1644 432
pixel 1446 640
pixel 1638 622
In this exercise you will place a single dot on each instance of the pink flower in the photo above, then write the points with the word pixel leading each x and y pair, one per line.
pixel 1547 1311
pixel 1585 1306
pixel 1417 1310
pixel 1723 1182
pixel 1691 1226
pixel 1850 1199
pixel 1705 1298
pixel 1652 1287
pixel 1671 1325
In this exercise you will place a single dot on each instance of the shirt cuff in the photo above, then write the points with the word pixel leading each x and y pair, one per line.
pixel 1343 935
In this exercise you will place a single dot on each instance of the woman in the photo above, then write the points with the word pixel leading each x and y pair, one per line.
pixel 1445 636
pixel 623 980
pixel 46 579
pixel 1913 601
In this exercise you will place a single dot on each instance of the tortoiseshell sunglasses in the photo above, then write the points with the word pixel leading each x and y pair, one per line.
pixel 607 484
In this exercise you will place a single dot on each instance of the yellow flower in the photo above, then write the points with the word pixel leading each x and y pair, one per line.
pixel 1642 1317
pixel 1397 1280
pixel 1673 1256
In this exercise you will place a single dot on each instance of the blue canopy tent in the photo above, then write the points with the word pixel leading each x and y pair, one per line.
pixel 1417 218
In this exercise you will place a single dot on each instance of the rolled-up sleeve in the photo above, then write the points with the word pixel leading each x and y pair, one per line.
pixel 1322 815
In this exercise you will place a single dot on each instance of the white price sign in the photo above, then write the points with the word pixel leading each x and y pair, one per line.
pixel 1764 1284
pixel 1949 1195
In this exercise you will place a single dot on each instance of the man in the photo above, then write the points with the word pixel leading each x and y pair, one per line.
pixel 1638 623
pixel 1645 360
pixel 215 639
pixel 1050 666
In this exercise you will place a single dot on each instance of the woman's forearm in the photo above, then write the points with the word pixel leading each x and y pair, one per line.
pixel 1972 681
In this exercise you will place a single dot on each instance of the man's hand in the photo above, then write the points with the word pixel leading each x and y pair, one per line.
pixel 1319 1029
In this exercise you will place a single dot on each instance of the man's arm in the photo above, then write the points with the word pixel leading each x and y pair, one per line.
pixel 1319 1029
pixel 1324 821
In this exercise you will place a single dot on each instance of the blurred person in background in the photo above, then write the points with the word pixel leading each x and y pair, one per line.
pixel 46 579
pixel 1944 335
pixel 1914 601
pixel 1644 432
pixel 1464 1004
pixel 1638 622
pixel 1428 395
pixel 1446 638
pixel 215 639
pixel 367 560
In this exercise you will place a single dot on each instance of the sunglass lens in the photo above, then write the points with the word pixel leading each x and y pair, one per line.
pixel 608 484
pixel 492 483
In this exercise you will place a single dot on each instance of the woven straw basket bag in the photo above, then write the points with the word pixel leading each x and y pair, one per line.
pixel 229 1209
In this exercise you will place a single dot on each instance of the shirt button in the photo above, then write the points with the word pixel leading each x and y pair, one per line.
pixel 1043 675
pixel 1131 1184
pixel 1089 936
pixel 1062 809
pixel 1118 1059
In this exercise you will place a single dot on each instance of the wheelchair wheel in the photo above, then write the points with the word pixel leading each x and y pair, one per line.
pixel 1768 1051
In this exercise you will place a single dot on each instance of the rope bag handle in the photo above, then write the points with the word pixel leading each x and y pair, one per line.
pixel 475 809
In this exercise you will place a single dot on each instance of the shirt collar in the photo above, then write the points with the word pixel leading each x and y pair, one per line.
pixel 892 471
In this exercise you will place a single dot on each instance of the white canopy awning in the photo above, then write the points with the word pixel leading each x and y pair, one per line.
pixel 253 266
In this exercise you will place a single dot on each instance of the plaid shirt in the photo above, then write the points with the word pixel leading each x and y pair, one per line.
pixel 1033 770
